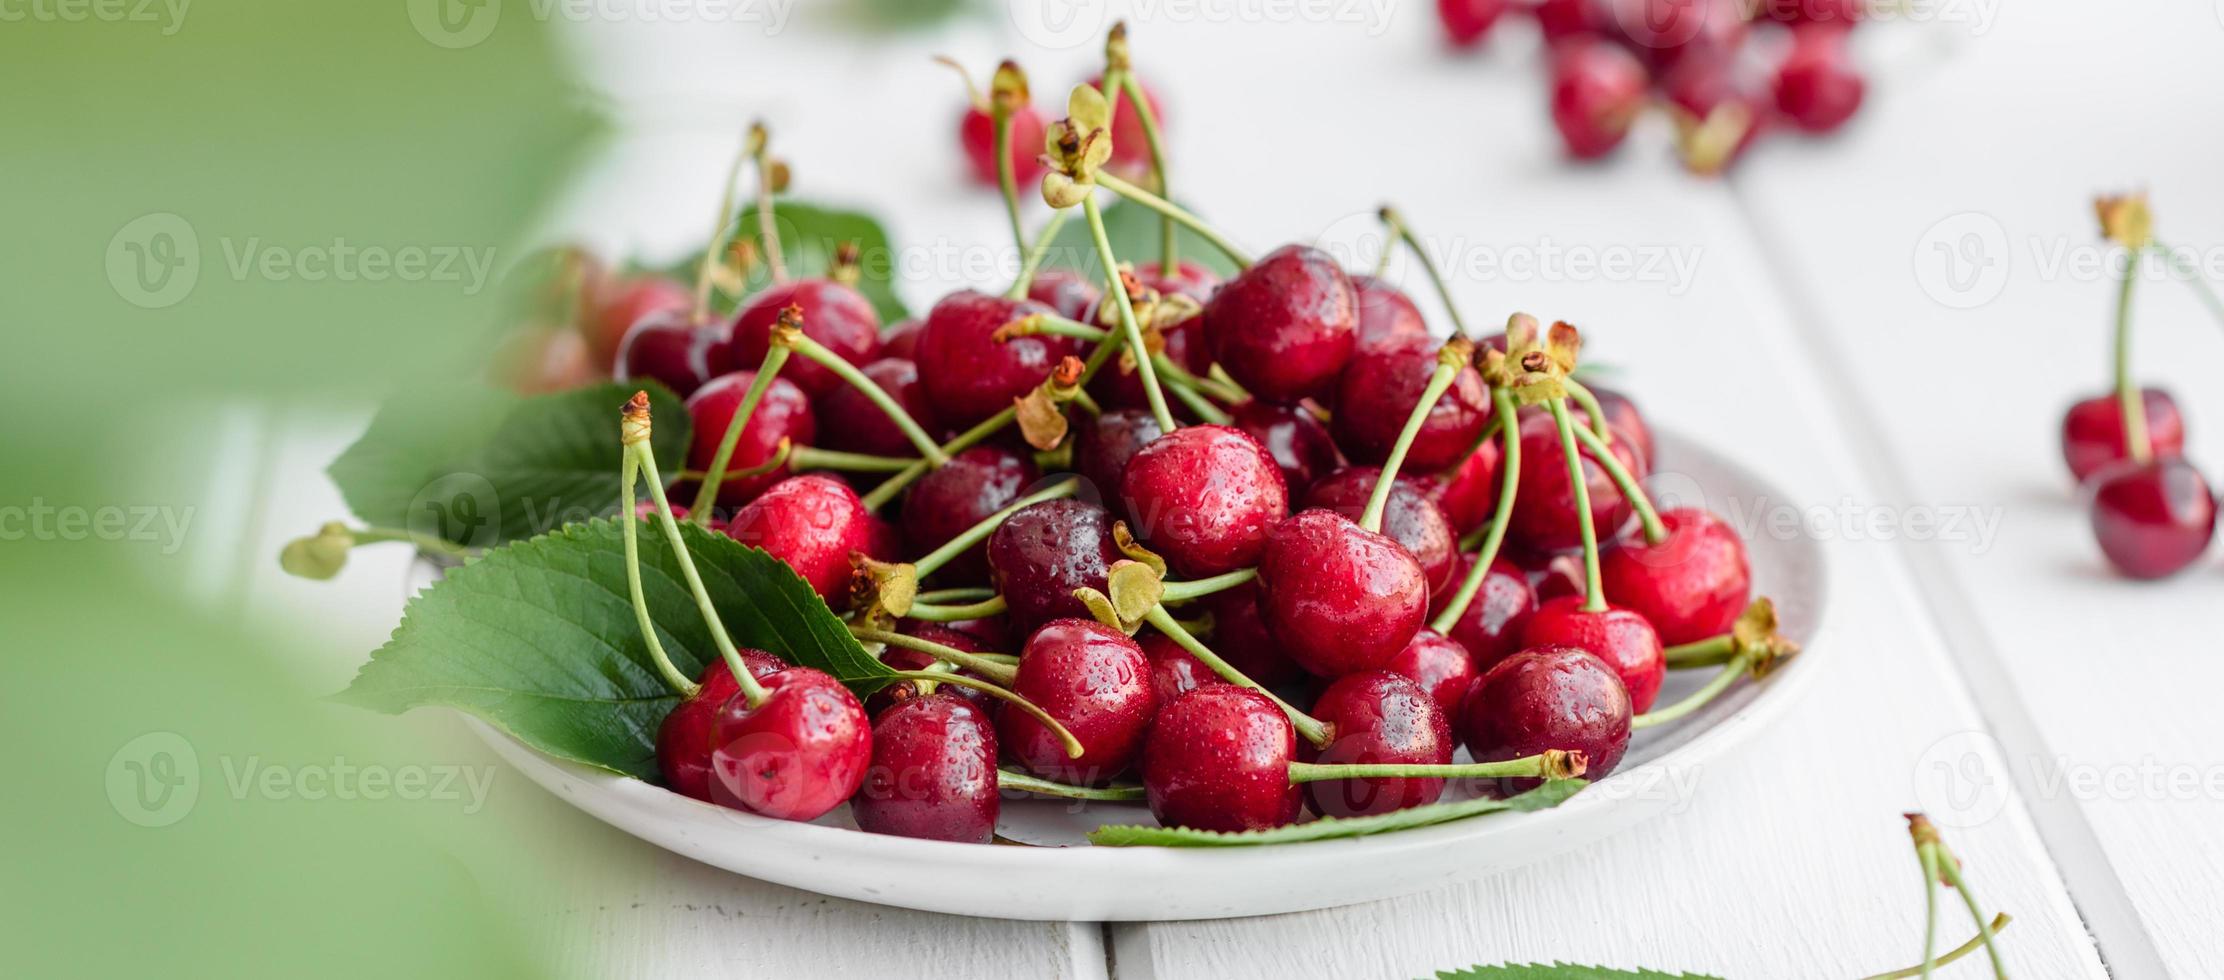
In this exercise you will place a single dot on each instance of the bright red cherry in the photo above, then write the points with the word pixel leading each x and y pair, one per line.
pixel 1383 383
pixel 1385 312
pixel 1564 19
pixel 683 740
pixel 1547 698
pixel 977 133
pixel 1597 90
pixel 1491 627
pixel 1097 683
pixel 834 313
pixel 1204 497
pixel 813 523
pixel 2093 431
pixel 1817 87
pixel 1296 439
pixel 1174 671
pixel 1442 668
pixel 1377 718
pixel 1067 291
pixel 1544 518
pixel 1219 758
pixel 1470 494
pixel 1285 327
pixel 933 773
pixel 1340 598
pixel 961 493
pixel 1626 421
pixel 1131 147
pixel 783 413
pixel 1409 518
pixel 1620 638
pixel 1690 586
pixel 968 374
pixel 1466 21
pixel 1671 31
pixel 1041 554
pixel 796 755
pixel 2152 519
pixel 850 422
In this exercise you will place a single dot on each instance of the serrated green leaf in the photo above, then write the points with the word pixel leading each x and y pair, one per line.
pixel 1328 828
pixel 539 639
pixel 1560 971
pixel 484 467
pixel 809 235
pixel 1133 231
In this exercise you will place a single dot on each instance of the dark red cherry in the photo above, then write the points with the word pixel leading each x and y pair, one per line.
pixel 1553 576
pixel 1817 87
pixel 1131 148
pixel 1620 638
pixel 1285 327
pixel 901 340
pixel 1219 759
pixel 1101 449
pixel 1097 683
pixel 799 753
pixel 2152 519
pixel 1296 439
pixel 977 133
pixel 835 314
pixel 903 658
pixel 850 422
pixel 961 493
pixel 1382 385
pixel 1378 718
pixel 1386 313
pixel 1240 636
pixel 1340 598
pixel 614 307
pixel 2093 431
pixel 1204 497
pixel 783 413
pixel 1409 518
pixel 683 740
pixel 1690 586
pixel 670 349
pixel 1442 668
pixel 1565 19
pixel 1470 494
pixel 933 774
pixel 1120 383
pixel 1466 21
pixel 1490 629
pixel 992 633
pixel 1042 553
pixel 1544 518
pixel 1067 291
pixel 1627 422
pixel 967 373
pixel 1668 32
pixel 1547 698
pixel 813 523
pixel 1174 671
pixel 1597 90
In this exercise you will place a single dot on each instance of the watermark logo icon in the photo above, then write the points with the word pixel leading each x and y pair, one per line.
pixel 1961 780
pixel 455 23
pixel 154 780
pixel 155 260
pixel 1058 23
pixel 459 507
pixel 1962 261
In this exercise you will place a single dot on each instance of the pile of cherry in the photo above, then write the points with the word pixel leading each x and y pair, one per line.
pixel 1725 70
pixel 1111 535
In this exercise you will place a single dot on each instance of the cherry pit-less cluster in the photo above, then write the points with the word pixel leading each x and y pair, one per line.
pixel 1239 549
pixel 1725 71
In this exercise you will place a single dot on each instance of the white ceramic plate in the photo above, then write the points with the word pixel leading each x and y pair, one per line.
pixel 1067 879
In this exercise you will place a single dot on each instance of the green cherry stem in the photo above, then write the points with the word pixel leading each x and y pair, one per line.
pixel 1999 922
pixel 1007 181
pixel 630 474
pixel 1550 764
pixel 1020 782
pixel 1738 664
pixel 1128 325
pixel 1588 401
pixel 636 438
pixel 1032 259
pixel 768 227
pixel 950 596
pixel 1073 745
pixel 1176 212
pixel 1450 361
pixel 1404 233
pixel 995 672
pixel 2128 399
pixel 1594 588
pixel 707 494
pixel 1172 374
pixel 1926 855
pixel 929 612
pixel 1647 515
pixel 1308 727
pixel 1200 588
pixel 423 542
pixel 1198 404
pixel 1494 533
pixel 1169 248
pixel 978 533
pixel 814 458
pixel 1951 868
pixel 712 251
pixel 1710 652
pixel 879 496
pixel 2192 275
pixel 817 353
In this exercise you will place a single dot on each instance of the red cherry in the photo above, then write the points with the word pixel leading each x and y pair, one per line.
pixel 1491 627
pixel 1102 448
pixel 783 413
pixel 904 658
pixel 933 773
pixel 1378 718
pixel 1240 637
pixel 1285 327
pixel 1386 313
pixel 1069 292
pixel 1557 575
pixel 1597 91
pixel 1466 21
pixel 959 494
pixel 1817 87
pixel 1120 383
pixel 852 423
pixel 669 348
pixel 1219 758
pixel 835 314
pixel 1620 638
pixel 813 523
pixel 992 633
pixel 1175 671
pixel 1470 495
pixel 1670 31
pixel 1191 279
pixel 1097 683
pixel 1204 497
pixel 1564 19
pixel 977 133
pixel 1544 517
pixel 2093 431
pixel 683 740
pixel 1409 518
pixel 1296 439
pixel 1547 698
pixel 796 755
pixel 1442 668
pixel 1131 148
pixel 613 309
pixel 1382 385
pixel 901 340
pixel 2152 519
pixel 968 374
pixel 1711 99
pixel 1627 422
pixel 1690 586
pixel 1041 554
pixel 1340 598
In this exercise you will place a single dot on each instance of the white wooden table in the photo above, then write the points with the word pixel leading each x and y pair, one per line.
pixel 1981 663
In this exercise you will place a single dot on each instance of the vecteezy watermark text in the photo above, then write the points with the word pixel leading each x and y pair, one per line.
pixel 156 780
pixel 148 523
pixel 466 23
pixel 169 15
pixel 155 261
